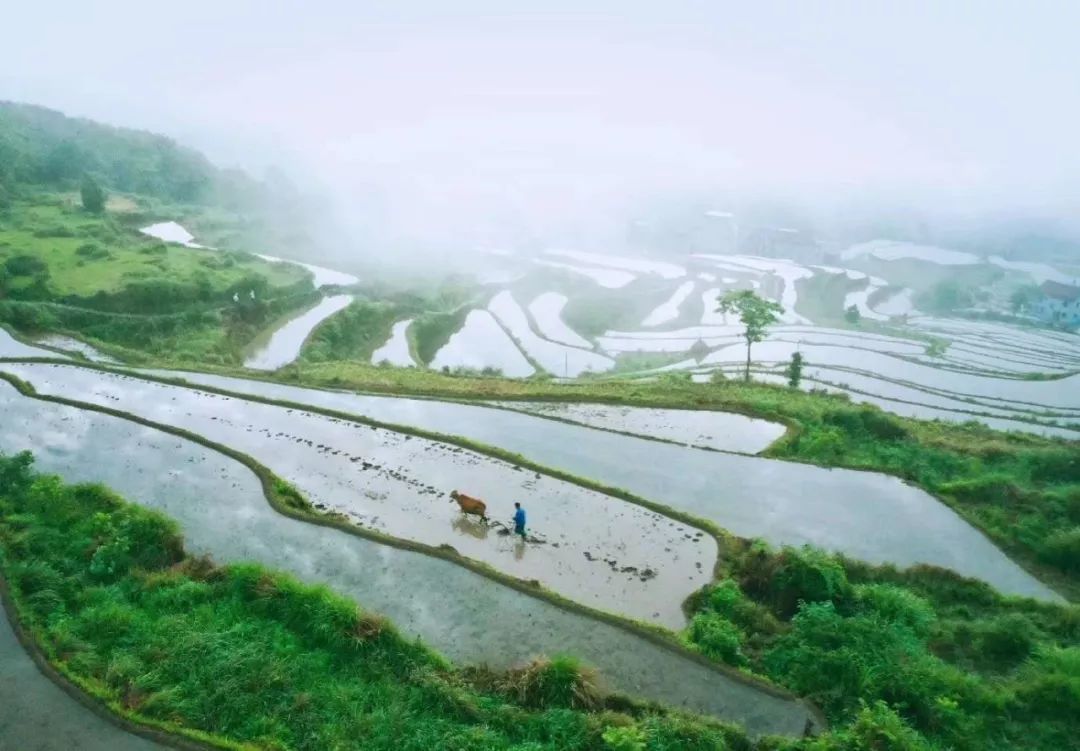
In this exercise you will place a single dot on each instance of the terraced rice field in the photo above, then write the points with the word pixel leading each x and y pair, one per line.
pixel 222 511
pixel 284 344
pixel 1008 376
pixel 482 343
pixel 782 502
pixel 396 350
pixel 589 547
pixel 720 431
pixel 560 359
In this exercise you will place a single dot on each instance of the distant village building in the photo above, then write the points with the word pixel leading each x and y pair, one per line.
pixel 1059 305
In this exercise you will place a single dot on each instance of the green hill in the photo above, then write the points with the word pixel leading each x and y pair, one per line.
pixel 72 266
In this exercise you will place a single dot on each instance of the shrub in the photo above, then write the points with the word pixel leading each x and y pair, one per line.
pixel 866 420
pixel 55 230
pixel 794 370
pixel 134 537
pixel 896 605
pixel 1053 465
pixel 677 378
pixel 717 637
pixel 726 597
pixel 561 681
pixel 16 471
pixel 1062 549
pixel 1007 639
pixel 876 728
pixel 823 443
pixel 1049 684
pixel 93 195
pixel 92 252
pixel 628 738
pixel 810 575
pixel 840 661
pixel 994 488
pixel 24 265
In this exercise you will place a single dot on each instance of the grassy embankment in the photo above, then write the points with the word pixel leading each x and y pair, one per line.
pixel 356 332
pixel 239 656
pixel 107 592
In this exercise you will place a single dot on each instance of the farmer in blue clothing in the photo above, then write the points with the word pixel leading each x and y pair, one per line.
pixel 519 521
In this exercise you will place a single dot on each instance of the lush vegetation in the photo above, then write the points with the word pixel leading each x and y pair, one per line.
pixel 962 666
pixel 919 659
pixel 430 331
pixel 592 310
pixel 53 250
pixel 821 297
pixel 438 312
pixel 41 149
pixel 243 654
pixel 72 259
pixel 354 333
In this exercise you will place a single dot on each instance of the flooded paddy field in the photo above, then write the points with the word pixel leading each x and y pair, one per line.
pixel 481 343
pixel 396 349
pixel 781 502
pixel 68 344
pixel 546 310
pixel 589 547
pixel 903 400
pixel 12 347
pixel 723 431
pixel 563 360
pixel 285 343
pixel 653 302
pixel 1055 394
pixel 635 264
pixel 669 309
pixel 472 619
pixel 605 277
pixel 959 412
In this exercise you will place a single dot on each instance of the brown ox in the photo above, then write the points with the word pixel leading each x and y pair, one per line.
pixel 470 505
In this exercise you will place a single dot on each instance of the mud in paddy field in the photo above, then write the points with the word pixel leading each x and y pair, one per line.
pixel 587 546
pixel 867 515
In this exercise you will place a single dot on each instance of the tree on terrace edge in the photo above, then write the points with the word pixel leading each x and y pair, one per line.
pixel 756 314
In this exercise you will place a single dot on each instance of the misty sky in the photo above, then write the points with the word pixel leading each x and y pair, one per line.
pixel 451 109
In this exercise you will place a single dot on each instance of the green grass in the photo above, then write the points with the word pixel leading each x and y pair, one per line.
pixel 354 333
pixel 962 666
pixel 96 277
pixel 431 330
pixel 919 659
pixel 242 655
pixel 597 309
pixel 821 298
pixel 115 255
